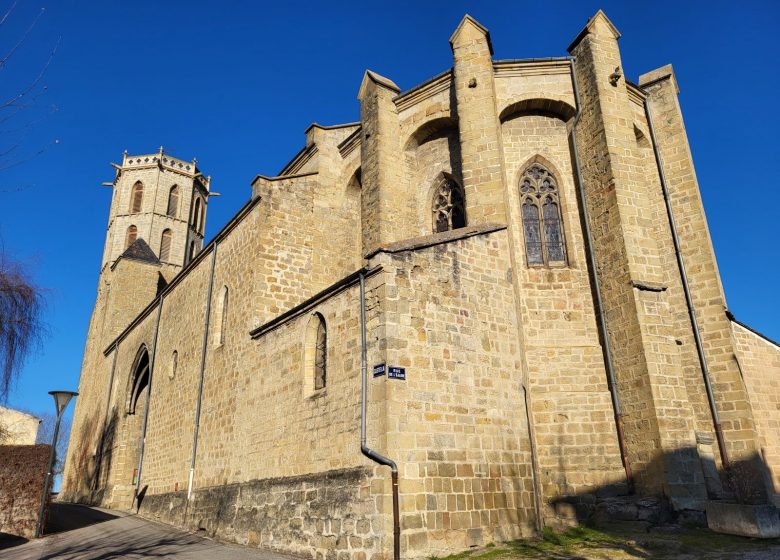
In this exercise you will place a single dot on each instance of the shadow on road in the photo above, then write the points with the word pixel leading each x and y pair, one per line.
pixel 8 541
pixel 67 517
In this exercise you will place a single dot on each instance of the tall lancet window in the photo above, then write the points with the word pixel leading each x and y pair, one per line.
pixel 137 198
pixel 448 207
pixel 132 235
pixel 165 245
pixel 542 224
pixel 173 201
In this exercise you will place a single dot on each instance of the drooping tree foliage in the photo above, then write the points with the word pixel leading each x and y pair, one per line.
pixel 21 321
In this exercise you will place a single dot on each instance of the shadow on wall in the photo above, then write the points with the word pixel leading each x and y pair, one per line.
pixel 746 482
pixel 92 471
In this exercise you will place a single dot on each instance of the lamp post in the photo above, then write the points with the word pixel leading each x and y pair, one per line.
pixel 61 400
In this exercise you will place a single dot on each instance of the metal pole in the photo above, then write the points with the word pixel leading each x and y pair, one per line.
pixel 44 497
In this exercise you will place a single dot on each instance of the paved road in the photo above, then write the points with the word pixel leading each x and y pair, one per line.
pixel 80 532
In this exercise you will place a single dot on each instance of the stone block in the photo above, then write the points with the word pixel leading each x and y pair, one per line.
pixel 757 521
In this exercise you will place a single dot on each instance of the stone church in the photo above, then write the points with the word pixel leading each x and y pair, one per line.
pixel 489 306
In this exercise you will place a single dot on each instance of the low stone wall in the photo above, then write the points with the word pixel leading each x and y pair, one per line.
pixel 22 473
pixel 328 516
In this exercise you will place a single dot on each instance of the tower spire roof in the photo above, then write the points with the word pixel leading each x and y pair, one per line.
pixel 139 250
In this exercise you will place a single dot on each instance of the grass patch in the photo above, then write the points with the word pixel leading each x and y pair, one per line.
pixel 622 543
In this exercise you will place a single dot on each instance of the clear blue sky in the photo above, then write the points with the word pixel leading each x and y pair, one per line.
pixel 236 83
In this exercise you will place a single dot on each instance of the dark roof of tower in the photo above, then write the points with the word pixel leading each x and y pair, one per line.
pixel 140 251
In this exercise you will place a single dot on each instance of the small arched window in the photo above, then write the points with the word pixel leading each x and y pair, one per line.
pixel 542 224
pixel 137 198
pixel 132 235
pixel 165 245
pixel 221 318
pixel 192 249
pixel 316 354
pixel 173 201
pixel 174 364
pixel 448 207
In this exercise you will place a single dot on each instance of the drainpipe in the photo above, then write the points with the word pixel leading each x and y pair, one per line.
pixel 148 399
pixel 724 457
pixel 602 320
pixel 370 453
pixel 203 349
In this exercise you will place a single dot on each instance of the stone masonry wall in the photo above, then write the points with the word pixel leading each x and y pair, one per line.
pixel 457 424
pixel 22 474
pixel 659 426
pixel 321 516
pixel 696 247
pixel 572 413
pixel 759 361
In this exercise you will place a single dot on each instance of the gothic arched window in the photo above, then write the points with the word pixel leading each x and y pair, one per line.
pixel 448 207
pixel 173 201
pixel 139 379
pixel 132 235
pixel 542 224
pixel 136 197
pixel 165 245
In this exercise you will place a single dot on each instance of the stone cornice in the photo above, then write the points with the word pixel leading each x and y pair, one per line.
pixel 300 159
pixel 531 67
pixel 350 143
pixel 429 88
pixel 282 177
pixel 425 241
pixel 329 292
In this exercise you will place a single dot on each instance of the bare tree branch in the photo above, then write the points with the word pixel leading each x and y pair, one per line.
pixel 8 12
pixel 13 101
pixel 18 44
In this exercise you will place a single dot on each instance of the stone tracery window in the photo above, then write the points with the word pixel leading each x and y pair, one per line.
pixel 448 207
pixel 542 224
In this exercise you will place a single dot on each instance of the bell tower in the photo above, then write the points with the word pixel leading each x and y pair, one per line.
pixel 161 200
